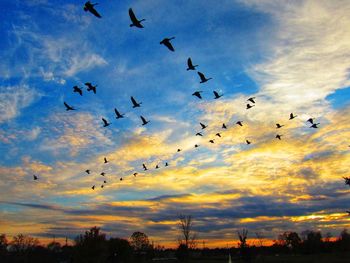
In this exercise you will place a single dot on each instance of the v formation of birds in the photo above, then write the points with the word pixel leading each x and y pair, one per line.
pixel 251 102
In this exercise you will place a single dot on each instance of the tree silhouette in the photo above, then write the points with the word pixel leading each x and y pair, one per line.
pixel 23 243
pixel 188 237
pixel 290 240
pixel 139 241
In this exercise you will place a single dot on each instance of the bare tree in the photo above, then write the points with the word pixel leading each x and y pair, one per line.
pixel 260 238
pixel 188 237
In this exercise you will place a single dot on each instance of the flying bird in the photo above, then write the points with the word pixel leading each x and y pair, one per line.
pixel 87 171
pixel 93 187
pixel 157 166
pixel 166 164
pixel 224 126
pixel 248 142
pixel 105 160
pixel 144 167
pixel 166 42
pixel 199 134
pixel 134 174
pixel 144 121
pixel 102 186
pixel 90 87
pixel 211 141
pixel 134 20
pixel 196 145
pixel 68 107
pixel 90 7
pixel 292 116
pixel 178 150
pixel 217 96
pixel 249 106
pixel 240 123
pixel 103 173
pixel 121 179
pixel 135 104
pixel 197 94
pixel 118 114
pixel 202 77
pixel 203 126
pixel 105 122
pixel 190 65
pixel 278 136
pixel 104 181
pixel 35 177
pixel 311 120
pixel 315 125
pixel 252 99
pixel 218 134
pixel 278 126
pixel 78 90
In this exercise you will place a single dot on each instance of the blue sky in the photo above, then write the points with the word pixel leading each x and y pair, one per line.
pixel 291 56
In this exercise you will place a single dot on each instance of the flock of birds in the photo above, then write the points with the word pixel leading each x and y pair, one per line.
pixel 251 102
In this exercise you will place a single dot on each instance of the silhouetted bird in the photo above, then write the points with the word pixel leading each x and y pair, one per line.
pixel 199 134
pixel 314 125
pixel 190 65
pixel 121 179
pixel 90 7
pixel 166 164
pixel 118 114
pixel 105 122
pixel 278 126
pixel 157 166
pixel 134 20
pixel 218 134
pixel 166 42
pixel 68 107
pixel 102 186
pixel 311 120
pixel 144 167
pixel 197 94
pixel 203 126
pixel 144 121
pixel 78 90
pixel 93 187
pixel 217 96
pixel 135 174
pixel 35 177
pixel 248 142
pixel 135 104
pixel 90 87
pixel 249 106
pixel 103 173
pixel 347 180
pixel 292 116
pixel 178 150
pixel 278 136
pixel 196 145
pixel 224 126
pixel 252 99
pixel 105 160
pixel 202 77
pixel 87 171
pixel 211 141
pixel 240 123
pixel 105 182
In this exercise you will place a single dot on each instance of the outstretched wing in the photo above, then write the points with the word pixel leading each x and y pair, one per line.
pixel 132 16
pixel 169 45
pixel 94 12
pixel 201 75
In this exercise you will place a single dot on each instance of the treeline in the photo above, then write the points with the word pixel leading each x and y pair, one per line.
pixel 93 246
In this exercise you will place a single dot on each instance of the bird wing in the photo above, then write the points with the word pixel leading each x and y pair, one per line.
pixel 189 63
pixel 133 101
pixel 216 94
pixel 169 45
pixel 104 121
pixel 94 12
pixel 132 16
pixel 88 84
pixel 201 75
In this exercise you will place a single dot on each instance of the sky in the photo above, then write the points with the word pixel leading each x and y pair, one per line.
pixel 292 56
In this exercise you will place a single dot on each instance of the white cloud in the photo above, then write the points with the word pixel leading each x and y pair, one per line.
pixel 15 98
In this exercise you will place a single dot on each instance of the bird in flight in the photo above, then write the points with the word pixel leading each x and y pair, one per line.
pixel 105 122
pixel 315 125
pixel 78 90
pixel 311 120
pixel 90 87
pixel 166 42
pixel 103 173
pixel 197 94
pixel 252 99
pixel 292 116
pixel 196 145
pixel 144 167
pixel 102 186
pixel 134 20
pixel 249 106
pixel 190 65
pixel 248 142
pixel 224 126
pixel 157 166
pixel 134 174
pixel 87 171
pixel 202 77
pixel 144 121
pixel 90 7
pixel 278 126
pixel 217 96
pixel 135 104
pixel 211 141
pixel 104 181
pixel 166 164
pixel 105 160
pixel 35 177
pixel 93 187
pixel 199 134
pixel 203 126
pixel 240 123
pixel 68 107
pixel 121 179
pixel 118 114
pixel 278 136
pixel 218 134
